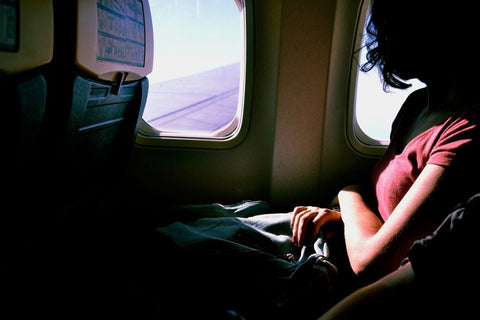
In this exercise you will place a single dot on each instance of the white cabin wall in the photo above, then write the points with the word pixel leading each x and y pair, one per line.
pixel 313 157
pixel 340 163
pixel 201 175
pixel 304 62
pixel 296 150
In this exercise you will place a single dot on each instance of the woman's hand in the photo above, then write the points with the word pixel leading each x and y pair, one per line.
pixel 307 221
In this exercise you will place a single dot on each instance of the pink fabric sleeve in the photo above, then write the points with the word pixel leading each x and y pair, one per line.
pixel 459 139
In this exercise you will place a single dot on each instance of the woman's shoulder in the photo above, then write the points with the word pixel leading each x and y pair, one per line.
pixel 458 137
pixel 466 118
pixel 470 112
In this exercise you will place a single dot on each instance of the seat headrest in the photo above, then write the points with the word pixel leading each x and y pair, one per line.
pixel 114 37
pixel 26 35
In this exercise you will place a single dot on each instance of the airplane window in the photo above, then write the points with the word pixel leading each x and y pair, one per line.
pixel 373 109
pixel 196 87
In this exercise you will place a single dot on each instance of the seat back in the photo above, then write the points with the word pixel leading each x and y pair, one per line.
pixel 101 86
pixel 26 49
pixel 26 46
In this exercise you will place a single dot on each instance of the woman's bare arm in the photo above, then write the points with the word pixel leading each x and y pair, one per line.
pixel 375 248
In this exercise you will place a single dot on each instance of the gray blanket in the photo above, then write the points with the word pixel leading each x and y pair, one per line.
pixel 245 241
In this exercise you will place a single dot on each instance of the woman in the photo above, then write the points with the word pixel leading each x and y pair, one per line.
pixel 430 164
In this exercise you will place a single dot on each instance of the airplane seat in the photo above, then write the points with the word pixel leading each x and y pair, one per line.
pixel 26 49
pixel 97 87
pixel 100 90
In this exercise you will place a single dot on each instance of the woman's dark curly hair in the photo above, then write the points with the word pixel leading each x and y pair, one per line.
pixel 441 34
pixel 379 46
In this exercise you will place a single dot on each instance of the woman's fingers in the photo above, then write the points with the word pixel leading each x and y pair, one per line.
pixel 307 221
pixel 296 212
pixel 302 218
pixel 320 221
pixel 327 215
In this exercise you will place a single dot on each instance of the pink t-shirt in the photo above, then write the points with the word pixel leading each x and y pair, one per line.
pixel 452 143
